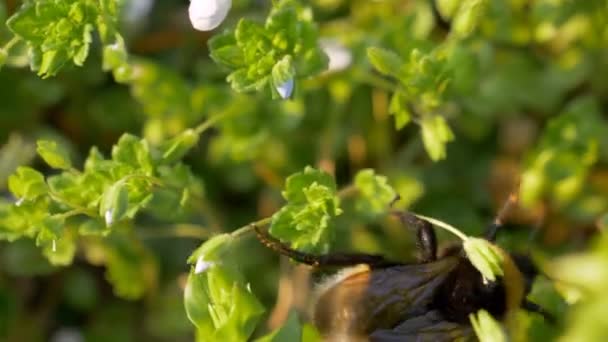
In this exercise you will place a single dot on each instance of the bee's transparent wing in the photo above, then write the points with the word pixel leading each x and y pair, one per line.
pixel 428 327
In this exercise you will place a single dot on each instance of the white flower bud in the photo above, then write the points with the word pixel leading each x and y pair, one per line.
pixel 286 89
pixel 108 216
pixel 340 57
pixel 205 15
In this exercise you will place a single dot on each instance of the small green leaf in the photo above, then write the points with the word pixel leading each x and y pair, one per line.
pixel 486 258
pixel 399 108
pixel 290 331
pixel 27 183
pixel 467 17
pixel 374 191
pixel 60 252
pixel 306 220
pixel 385 61
pixel 54 154
pixel 486 327
pixel 114 203
pixel 129 266
pixel 50 231
pixel 131 150
pixel 435 134
pixel 295 184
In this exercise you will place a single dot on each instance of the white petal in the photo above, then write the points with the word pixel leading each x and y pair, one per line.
pixel 205 15
pixel 108 217
pixel 201 265
pixel 286 89
pixel 340 57
pixel 19 201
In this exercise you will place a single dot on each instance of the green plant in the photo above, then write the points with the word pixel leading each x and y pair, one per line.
pixel 193 134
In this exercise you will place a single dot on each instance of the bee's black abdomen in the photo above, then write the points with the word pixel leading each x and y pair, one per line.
pixel 464 292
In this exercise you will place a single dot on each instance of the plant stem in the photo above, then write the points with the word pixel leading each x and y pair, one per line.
pixel 177 230
pixel 244 230
pixel 11 43
pixel 445 226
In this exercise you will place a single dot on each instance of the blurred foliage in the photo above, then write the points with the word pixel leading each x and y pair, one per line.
pixel 128 140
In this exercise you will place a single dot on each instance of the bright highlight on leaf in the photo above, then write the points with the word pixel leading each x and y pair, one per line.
pixel 205 15
pixel 485 257
pixel 487 328
pixel 54 154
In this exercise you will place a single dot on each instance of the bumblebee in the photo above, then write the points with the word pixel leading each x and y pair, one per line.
pixel 375 299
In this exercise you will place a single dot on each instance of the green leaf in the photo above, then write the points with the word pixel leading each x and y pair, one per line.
pixel 115 58
pixel 486 327
pixel 385 61
pixel 306 221
pixel 54 154
pixel 114 203
pixel 50 231
pixel 467 17
pixel 270 55
pixel 56 32
pixel 374 191
pixel 568 148
pixel 27 183
pixel 133 151
pixel 60 252
pixel 129 266
pixel 295 184
pixel 399 108
pixel 290 331
pixel 485 257
pixel 436 134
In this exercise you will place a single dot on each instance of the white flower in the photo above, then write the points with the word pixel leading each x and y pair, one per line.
pixel 205 15
pixel 202 265
pixel 108 217
pixel 286 89
pixel 19 201
pixel 340 57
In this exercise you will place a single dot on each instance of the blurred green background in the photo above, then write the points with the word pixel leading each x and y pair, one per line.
pixel 526 99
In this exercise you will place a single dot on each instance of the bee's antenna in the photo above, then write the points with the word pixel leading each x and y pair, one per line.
pixel 500 217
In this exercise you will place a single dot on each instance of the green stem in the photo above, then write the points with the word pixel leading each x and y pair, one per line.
pixel 244 230
pixel 7 47
pixel 375 80
pixel 348 191
pixel 445 226
pixel 77 209
pixel 189 231
pixel 212 121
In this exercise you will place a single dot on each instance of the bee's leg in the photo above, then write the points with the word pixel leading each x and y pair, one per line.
pixel 499 219
pixel 533 307
pixel 426 241
pixel 334 259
